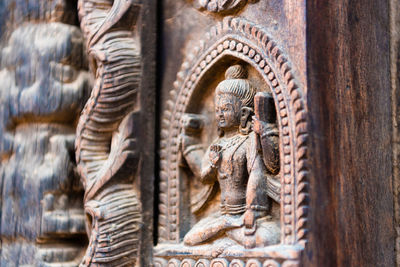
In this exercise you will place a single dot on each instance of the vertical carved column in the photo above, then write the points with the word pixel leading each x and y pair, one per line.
pixel 106 144
pixel 44 84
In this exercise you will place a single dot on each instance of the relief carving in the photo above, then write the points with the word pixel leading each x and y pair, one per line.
pixel 222 7
pixel 234 162
pixel 233 158
pixel 44 84
pixel 233 155
pixel 106 149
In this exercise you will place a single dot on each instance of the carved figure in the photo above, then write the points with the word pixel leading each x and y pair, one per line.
pixel 235 162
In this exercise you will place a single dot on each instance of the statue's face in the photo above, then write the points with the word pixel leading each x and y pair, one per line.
pixel 227 111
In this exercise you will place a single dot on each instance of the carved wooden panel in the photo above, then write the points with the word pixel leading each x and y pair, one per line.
pixel 199 133
pixel 44 84
pixel 220 219
pixel 106 147
pixel 52 196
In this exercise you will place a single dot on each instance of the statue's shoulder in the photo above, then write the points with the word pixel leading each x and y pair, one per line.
pixel 251 146
pixel 249 143
pixel 251 137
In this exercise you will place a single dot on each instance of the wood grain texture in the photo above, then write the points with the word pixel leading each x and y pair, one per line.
pixel 349 96
pixel 147 132
pixel 44 84
pixel 395 79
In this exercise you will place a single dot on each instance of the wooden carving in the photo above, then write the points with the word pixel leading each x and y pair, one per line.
pixel 263 195
pixel 233 160
pixel 106 151
pixel 220 6
pixel 44 84
pixel 199 133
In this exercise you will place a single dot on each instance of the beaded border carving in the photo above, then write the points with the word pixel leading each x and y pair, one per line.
pixel 220 262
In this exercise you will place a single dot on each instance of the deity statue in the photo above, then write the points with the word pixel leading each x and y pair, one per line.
pixel 244 159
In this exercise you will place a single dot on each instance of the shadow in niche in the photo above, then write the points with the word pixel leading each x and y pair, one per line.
pixel 159 77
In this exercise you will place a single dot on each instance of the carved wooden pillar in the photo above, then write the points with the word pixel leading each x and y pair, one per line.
pixel 44 84
pixel 52 196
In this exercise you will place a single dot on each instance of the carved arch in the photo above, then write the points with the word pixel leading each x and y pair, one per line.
pixel 241 39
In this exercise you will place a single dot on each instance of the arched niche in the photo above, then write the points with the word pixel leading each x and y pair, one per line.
pixel 231 41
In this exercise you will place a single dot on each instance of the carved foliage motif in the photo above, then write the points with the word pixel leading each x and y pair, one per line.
pixel 245 41
pixel 106 135
pixel 220 6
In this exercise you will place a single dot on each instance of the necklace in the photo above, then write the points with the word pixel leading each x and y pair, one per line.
pixel 235 141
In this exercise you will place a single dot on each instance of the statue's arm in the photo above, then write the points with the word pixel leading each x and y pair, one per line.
pixel 199 163
pixel 256 201
pixel 193 156
pixel 257 186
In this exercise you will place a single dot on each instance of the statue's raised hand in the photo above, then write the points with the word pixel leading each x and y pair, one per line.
pixel 215 154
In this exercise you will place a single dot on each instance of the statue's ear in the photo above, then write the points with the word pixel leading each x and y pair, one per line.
pixel 245 115
pixel 245 119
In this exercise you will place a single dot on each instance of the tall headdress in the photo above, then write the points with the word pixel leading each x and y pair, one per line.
pixel 237 84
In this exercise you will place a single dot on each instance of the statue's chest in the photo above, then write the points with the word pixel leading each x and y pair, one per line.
pixel 233 161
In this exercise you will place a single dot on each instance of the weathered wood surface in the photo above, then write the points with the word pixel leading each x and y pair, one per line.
pixel 344 74
pixel 198 46
pixel 351 134
pixel 114 149
pixel 44 84
pixel 395 82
